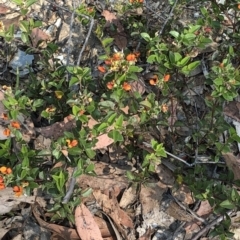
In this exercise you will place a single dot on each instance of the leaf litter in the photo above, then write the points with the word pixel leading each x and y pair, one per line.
pixel 111 190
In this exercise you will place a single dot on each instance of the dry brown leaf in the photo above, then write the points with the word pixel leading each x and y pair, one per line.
pixel 110 206
pixel 232 110
pixel 37 36
pixel 87 228
pixel 120 35
pixel 204 210
pixel 233 164
pixel 57 129
pixel 64 232
pixel 4 9
pixel 129 196
pixel 147 235
pixel 103 141
pixel 138 86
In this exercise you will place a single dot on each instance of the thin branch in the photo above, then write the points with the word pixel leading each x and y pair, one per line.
pixel 169 16
pixel 86 41
pixel 210 225
pixel 71 188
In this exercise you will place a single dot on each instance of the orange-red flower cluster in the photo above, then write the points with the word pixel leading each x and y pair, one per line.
pixel 18 190
pixel 153 81
pixel 72 143
pixel 110 85
pixel 166 77
pixel 126 86
pixel 4 171
pixel 2 184
pixel 13 124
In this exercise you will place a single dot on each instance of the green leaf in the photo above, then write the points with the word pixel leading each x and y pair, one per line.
pixel 107 104
pixel 227 204
pixel 90 153
pixel 102 127
pixel 56 153
pixel 146 37
pixel 146 103
pixel 133 68
pixel 24 26
pixel 86 192
pixel 107 41
pixel 115 135
pixel 30 3
pixel 18 2
pixel 174 34
pixel 189 37
pixel 195 28
pixel 75 110
pixel 151 58
pixel 111 118
pixel 183 62
pixel 38 103
pixel 89 168
pixel 119 121
pixel 218 81
pixel 24 37
pixel 73 81
pixel 130 176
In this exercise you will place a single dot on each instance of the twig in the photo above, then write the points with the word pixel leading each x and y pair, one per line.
pixel 181 160
pixel 210 225
pixel 190 211
pixel 70 189
pixel 86 41
pixel 169 16
pixel 89 31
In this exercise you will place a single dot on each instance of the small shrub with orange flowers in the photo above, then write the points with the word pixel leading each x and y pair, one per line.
pixel 139 91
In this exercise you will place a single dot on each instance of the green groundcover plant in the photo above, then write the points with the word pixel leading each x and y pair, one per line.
pixel 121 111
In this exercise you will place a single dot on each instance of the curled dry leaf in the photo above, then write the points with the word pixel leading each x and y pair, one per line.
pixel 110 206
pixel 37 36
pixel 4 9
pixel 87 228
pixel 233 164
pixel 120 35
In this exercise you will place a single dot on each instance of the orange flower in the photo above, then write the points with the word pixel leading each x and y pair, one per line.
pixel 1 179
pixel 110 85
pixel 5 116
pixel 101 69
pixel 108 61
pixel 166 77
pixel 126 86
pixel 131 57
pixel 140 1
pixel 15 124
pixel 221 65
pixel 238 6
pixel 72 143
pixel 153 80
pixel 117 56
pixel 81 112
pixel 9 170
pixel 18 190
pixel 2 185
pixel 50 109
pixel 164 108
pixel 6 132
pixel 3 170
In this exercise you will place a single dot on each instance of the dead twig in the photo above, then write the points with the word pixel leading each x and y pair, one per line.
pixel 210 225
pixel 169 16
